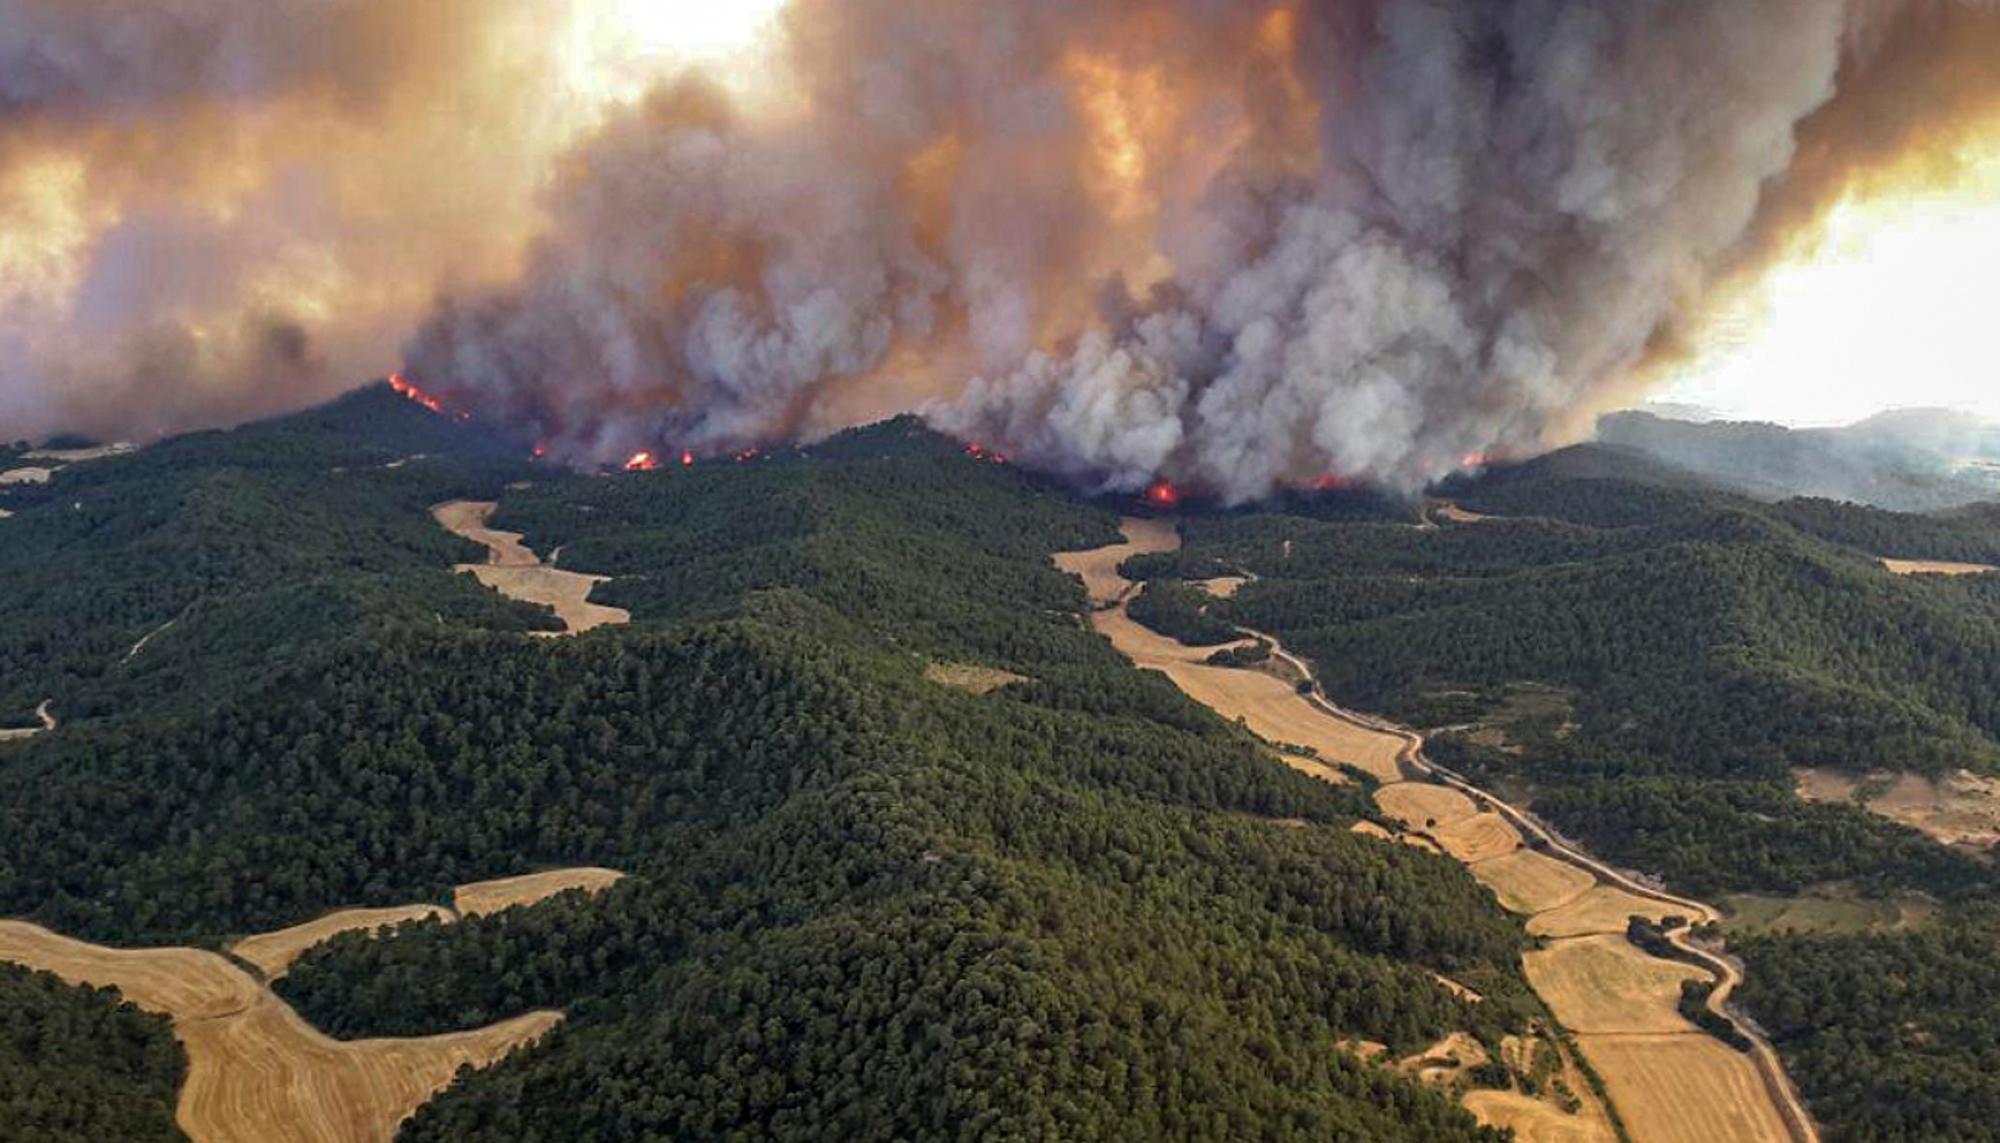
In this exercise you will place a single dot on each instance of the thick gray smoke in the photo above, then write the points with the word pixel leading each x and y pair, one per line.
pixel 1374 237
pixel 1233 243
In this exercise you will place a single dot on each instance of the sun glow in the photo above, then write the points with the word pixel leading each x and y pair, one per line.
pixel 1888 304
pixel 620 48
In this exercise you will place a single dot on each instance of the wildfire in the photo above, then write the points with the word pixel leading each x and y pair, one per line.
pixel 981 452
pixel 1163 494
pixel 642 461
pixel 1333 482
pixel 407 388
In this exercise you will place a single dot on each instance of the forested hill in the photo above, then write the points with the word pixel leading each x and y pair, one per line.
pixel 862 904
pixel 1645 659
pixel 252 543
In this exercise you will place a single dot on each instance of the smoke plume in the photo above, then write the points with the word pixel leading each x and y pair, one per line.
pixel 1231 243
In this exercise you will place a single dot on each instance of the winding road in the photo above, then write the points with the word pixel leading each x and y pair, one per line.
pixel 1727 974
pixel 1109 592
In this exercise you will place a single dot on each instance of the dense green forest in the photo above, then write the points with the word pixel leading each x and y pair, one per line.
pixel 1701 646
pixel 79 1066
pixel 1645 658
pixel 253 544
pixel 1891 1036
pixel 861 904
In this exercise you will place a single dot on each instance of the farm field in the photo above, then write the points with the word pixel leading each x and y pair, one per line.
pixel 257 1072
pixel 492 896
pixel 518 573
pixel 273 954
pixel 1685 1089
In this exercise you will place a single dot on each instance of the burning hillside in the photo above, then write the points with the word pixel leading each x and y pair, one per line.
pixel 1228 246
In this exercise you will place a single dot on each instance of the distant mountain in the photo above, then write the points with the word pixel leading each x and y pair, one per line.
pixel 1910 460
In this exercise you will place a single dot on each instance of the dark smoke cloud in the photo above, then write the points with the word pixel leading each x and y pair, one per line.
pixel 1490 213
pixel 214 209
pixel 1236 243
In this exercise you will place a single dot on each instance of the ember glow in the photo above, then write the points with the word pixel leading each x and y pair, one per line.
pixel 430 401
pixel 642 462
pixel 1163 494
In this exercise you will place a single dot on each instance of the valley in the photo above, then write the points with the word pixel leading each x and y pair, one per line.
pixel 1672 1082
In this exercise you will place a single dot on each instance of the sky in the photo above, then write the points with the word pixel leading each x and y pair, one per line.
pixel 1891 304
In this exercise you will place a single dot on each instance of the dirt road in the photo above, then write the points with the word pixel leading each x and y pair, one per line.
pixel 45 712
pixel 1588 974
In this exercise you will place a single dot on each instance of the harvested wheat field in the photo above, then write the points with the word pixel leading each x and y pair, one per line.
pixel 1528 882
pixel 1534 1121
pixel 268 1077
pixel 1606 984
pixel 1421 805
pixel 1371 829
pixel 493 896
pixel 971 679
pixel 273 954
pixel 1604 909
pixel 518 573
pixel 1936 567
pixel 1269 706
pixel 1314 768
pixel 1481 837
pixel 1685 1089
pixel 187 984
pixel 1098 567
pixel 257 1073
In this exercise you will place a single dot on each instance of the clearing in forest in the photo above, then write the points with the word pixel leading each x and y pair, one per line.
pixel 257 1072
pixel 518 573
pixel 1223 587
pixel 1962 809
pixel 971 678
pixel 1936 567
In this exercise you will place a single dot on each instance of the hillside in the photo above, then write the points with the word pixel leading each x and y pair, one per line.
pixel 1657 666
pixel 859 902
pixel 1910 460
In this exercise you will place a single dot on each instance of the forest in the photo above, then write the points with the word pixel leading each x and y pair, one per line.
pixel 79 1066
pixel 861 904
pixel 1644 659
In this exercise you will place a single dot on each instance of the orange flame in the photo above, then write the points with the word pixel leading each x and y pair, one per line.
pixel 1163 494
pixel 642 461
pixel 403 385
